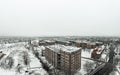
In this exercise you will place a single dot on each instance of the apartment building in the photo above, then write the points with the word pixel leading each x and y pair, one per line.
pixel 87 44
pixel 64 58
pixel 82 44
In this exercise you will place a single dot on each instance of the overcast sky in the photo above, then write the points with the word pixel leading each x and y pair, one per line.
pixel 59 17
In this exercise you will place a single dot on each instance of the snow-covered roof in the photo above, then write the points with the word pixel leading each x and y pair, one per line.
pixel 91 43
pixel 99 42
pixel 81 41
pixel 49 40
pixel 59 47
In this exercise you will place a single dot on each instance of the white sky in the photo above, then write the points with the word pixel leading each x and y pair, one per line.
pixel 60 17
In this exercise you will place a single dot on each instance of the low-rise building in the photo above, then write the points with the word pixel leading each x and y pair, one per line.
pixel 82 44
pixel 46 42
pixel 97 52
pixel 87 44
pixel 66 43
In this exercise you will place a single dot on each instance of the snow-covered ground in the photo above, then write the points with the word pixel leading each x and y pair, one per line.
pixel 83 68
pixel 6 72
pixel 16 50
pixel 85 53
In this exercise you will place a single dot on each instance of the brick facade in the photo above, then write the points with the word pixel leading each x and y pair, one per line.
pixel 69 62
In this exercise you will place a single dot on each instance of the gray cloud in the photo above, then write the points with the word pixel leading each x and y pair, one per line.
pixel 59 17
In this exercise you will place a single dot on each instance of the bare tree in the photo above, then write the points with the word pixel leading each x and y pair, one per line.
pixel 88 66
pixel 19 68
pixel 26 58
pixel 7 63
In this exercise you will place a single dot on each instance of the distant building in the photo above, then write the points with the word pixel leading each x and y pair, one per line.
pixel 87 44
pixel 64 58
pixel 91 45
pixel 42 43
pixel 34 43
pixel 46 42
pixel 66 43
pixel 82 44
pixel 97 52
pixel 99 43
